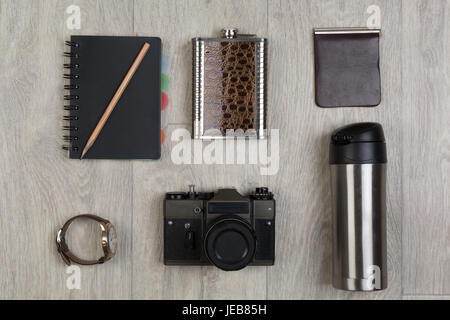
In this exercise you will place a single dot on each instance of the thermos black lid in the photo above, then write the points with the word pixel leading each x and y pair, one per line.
pixel 358 143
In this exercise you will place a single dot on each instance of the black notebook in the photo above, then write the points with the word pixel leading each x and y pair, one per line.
pixel 98 65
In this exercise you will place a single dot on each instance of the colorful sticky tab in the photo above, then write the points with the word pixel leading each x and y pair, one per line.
pixel 164 63
pixel 164 83
pixel 163 136
pixel 164 87
pixel 164 100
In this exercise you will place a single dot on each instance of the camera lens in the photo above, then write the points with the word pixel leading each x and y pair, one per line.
pixel 230 244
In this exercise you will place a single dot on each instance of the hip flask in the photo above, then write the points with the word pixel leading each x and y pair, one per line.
pixel 229 86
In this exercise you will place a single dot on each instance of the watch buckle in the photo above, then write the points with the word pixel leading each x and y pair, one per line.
pixel 61 246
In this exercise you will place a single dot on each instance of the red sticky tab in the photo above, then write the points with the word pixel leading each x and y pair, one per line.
pixel 164 101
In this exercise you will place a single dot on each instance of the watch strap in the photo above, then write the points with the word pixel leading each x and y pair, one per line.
pixel 64 250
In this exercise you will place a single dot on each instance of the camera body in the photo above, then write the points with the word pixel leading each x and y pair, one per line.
pixel 224 229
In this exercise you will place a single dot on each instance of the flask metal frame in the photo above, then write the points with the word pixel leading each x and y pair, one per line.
pixel 198 84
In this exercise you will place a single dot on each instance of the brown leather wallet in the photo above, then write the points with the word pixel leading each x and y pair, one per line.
pixel 109 241
pixel 347 71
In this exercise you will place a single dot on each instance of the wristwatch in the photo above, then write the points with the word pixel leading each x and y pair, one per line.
pixel 109 241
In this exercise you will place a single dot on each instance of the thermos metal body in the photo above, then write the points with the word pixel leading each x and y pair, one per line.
pixel 359 226
pixel 358 183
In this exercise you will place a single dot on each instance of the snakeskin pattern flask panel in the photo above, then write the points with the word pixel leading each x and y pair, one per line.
pixel 229 86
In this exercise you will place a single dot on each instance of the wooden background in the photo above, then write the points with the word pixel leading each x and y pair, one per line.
pixel 40 188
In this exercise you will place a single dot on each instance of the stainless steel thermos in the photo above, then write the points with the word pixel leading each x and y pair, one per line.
pixel 358 179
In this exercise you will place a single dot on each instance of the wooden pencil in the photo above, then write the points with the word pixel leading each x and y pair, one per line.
pixel 112 104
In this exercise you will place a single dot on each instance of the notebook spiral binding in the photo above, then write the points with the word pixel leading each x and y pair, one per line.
pixel 71 138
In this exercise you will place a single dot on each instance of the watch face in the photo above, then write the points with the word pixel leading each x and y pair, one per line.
pixel 112 240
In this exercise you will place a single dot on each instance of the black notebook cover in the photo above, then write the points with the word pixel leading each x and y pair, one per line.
pixel 98 66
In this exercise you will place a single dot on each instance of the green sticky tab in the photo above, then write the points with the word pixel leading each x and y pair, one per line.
pixel 164 83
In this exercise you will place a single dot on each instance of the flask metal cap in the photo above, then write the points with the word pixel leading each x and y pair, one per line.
pixel 229 33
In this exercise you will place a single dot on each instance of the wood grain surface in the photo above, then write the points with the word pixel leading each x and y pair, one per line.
pixel 40 188
pixel 426 147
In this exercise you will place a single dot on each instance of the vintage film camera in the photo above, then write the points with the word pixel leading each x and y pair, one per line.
pixel 224 228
